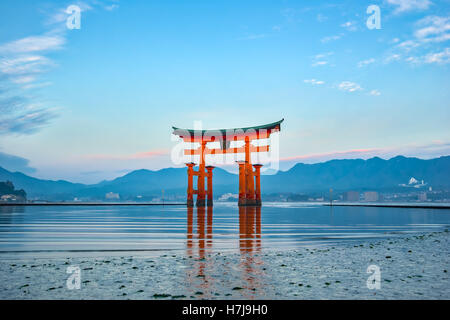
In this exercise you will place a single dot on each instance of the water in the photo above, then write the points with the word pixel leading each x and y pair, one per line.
pixel 80 230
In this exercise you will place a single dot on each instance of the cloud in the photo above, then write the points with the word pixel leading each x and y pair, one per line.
pixel 320 59
pixel 330 38
pixel 425 151
pixel 14 163
pixel 319 63
pixel 442 57
pixel 23 69
pixel 134 156
pixel 429 30
pixel 409 5
pixel 439 57
pixel 111 7
pixel 375 92
pixel 26 122
pixel 347 154
pixel 366 62
pixel 349 25
pixel 433 29
pixel 323 55
pixel 22 63
pixel 33 44
pixel 314 82
pixel 349 86
pixel 392 57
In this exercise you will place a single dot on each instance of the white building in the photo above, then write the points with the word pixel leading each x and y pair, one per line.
pixel 112 196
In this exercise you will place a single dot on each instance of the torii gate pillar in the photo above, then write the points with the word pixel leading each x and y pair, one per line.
pixel 209 176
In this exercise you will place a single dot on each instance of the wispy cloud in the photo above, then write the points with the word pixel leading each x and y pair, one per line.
pixel 375 92
pixel 433 29
pixel 321 59
pixel 314 82
pixel 442 57
pixel 330 38
pixel 425 151
pixel 349 86
pixel 409 5
pixel 349 25
pixel 23 62
pixel 30 120
pixel 111 7
pixel 134 156
pixel 366 62
pixel 425 45
pixel 392 57
pixel 346 154
pixel 319 63
pixel 33 44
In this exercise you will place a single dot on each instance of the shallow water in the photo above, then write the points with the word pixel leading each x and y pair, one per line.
pixel 79 230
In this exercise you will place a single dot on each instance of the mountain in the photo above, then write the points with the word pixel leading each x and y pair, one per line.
pixel 341 175
pixel 147 182
pixel 43 189
pixel 374 173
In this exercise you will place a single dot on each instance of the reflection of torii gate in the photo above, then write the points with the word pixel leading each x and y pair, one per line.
pixel 249 180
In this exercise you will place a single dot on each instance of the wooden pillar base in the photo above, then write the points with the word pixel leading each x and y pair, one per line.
pixel 251 202
pixel 190 203
pixel 209 202
pixel 242 202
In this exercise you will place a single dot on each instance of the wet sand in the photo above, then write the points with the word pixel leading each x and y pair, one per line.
pixel 412 267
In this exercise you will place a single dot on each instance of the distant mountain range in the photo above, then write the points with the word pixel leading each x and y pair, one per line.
pixel 341 175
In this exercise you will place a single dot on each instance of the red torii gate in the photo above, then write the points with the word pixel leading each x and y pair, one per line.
pixel 249 180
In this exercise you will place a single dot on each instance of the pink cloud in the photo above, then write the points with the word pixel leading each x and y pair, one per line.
pixel 434 149
pixel 333 155
pixel 134 156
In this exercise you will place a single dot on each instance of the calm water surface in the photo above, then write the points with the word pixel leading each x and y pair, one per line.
pixel 74 230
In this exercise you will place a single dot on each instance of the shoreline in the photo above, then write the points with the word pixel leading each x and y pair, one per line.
pixel 391 205
pixel 91 204
pixel 413 266
pixel 378 205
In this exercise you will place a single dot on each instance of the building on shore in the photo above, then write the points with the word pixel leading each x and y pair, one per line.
pixel 112 196
pixel 422 196
pixel 371 196
pixel 352 196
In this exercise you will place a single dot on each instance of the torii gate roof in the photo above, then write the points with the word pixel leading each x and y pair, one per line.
pixel 190 133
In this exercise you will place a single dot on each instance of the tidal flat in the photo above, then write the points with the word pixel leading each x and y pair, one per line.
pixel 412 266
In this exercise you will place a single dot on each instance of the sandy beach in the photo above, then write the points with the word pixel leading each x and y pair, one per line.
pixel 412 267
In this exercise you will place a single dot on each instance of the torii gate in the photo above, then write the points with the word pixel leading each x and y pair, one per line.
pixel 249 180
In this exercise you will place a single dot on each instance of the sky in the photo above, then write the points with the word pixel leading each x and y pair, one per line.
pixel 96 102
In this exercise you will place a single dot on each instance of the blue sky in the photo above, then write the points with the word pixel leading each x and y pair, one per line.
pixel 95 103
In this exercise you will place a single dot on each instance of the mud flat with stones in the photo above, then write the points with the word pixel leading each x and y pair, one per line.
pixel 411 267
